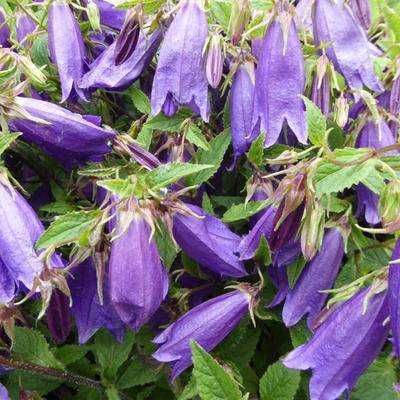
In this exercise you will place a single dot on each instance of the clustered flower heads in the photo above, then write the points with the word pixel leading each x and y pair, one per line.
pixel 225 173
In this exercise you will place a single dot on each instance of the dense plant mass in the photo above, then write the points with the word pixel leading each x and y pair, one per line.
pixel 200 199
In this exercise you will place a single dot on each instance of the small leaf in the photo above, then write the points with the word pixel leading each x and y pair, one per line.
pixel 242 211
pixel 40 51
pixel 140 100
pixel 279 383
pixel 316 123
pixel 221 11
pixel 190 391
pixel 144 137
pixel 263 253
pixel 67 228
pixel 70 353
pixel 5 141
pixel 165 247
pixel 300 333
pixel 256 151
pixel 195 137
pixel 206 204
pixel 294 270
pixel 213 382
pixel 122 188
pixel 168 124
pixel 136 374
pixel 171 172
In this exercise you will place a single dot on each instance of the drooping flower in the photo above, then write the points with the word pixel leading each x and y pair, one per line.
pixel 67 49
pixel 69 137
pixel 344 346
pixel 362 12
pixel 180 68
pixel 393 297
pixel 215 62
pixel 209 242
pixel 208 324
pixel 58 315
pixel 138 281
pixel 104 73
pixel 4 393
pixel 318 274
pixel 279 79
pixel 24 26
pixel 349 52
pixel 4 30
pixel 321 95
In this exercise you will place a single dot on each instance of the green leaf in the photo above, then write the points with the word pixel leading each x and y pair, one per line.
pixel 40 51
pixel 221 11
pixel 111 354
pixel 214 157
pixel 5 141
pixel 123 188
pixel 256 151
pixel 190 391
pixel 70 353
pixel 242 211
pixel 140 100
pixel 206 204
pixel 333 204
pixel 263 252
pixel 168 124
pixel 195 136
pixel 171 172
pixel 67 228
pixel 165 247
pixel 279 383
pixel 42 384
pixel 112 393
pixel 316 123
pixel 393 24
pixel 213 382
pixel 136 374
pixel 332 178
pixel 300 334
pixel 145 136
pixel 32 346
pixel 294 270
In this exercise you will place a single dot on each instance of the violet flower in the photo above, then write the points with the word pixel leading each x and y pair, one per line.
pixel 321 96
pixel 208 324
pixel 69 137
pixel 4 30
pixel 395 97
pixel 4 393
pixel 24 27
pixel 67 49
pixel 394 300
pixel 344 346
pixel 180 68
pixel 110 16
pixel 362 12
pixel 58 315
pixel 104 73
pixel 209 242
pixel 318 274
pixel 89 313
pixel 349 52
pixel 138 281
pixel 279 79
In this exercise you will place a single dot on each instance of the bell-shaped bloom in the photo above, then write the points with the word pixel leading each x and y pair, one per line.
pixel 349 52
pixel 58 315
pixel 138 281
pixel 69 137
pixel 215 62
pixel 104 73
pixel 241 111
pixel 4 393
pixel 318 274
pixel 208 324
pixel 4 30
pixel 280 78
pixel 110 16
pixel 180 68
pixel 394 300
pixel 209 242
pixel 24 26
pixel 321 95
pixel 89 313
pixel 395 97
pixel 67 49
pixel 344 346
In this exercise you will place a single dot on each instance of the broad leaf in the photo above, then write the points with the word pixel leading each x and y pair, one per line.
pixel 256 152
pixel 140 100
pixel 316 123
pixel 195 136
pixel 136 374
pixel 242 211
pixel 221 11
pixel 122 188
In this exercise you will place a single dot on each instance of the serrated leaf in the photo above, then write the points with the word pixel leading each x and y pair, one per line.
pixel 393 24
pixel 221 11
pixel 42 384
pixel 122 188
pixel 144 137
pixel 195 136
pixel 294 270
pixel 136 374
pixel 332 178
pixel 263 253
pixel 140 100
pixel 168 124
pixel 70 353
pixel 256 152
pixel 165 247
pixel 213 382
pixel 111 354
pixel 67 228
pixel 40 50
pixel 242 211
pixel 171 172
pixel 214 157
pixel 279 383
pixel 316 124
pixel 300 333
pixel 5 141
pixel 206 204
pixel 32 346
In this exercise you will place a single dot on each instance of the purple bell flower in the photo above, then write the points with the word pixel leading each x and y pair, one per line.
pixel 4 393
pixel 318 274
pixel 208 324
pixel 395 97
pixel 321 96
pixel 344 346
pixel 58 315
pixel 89 314
pixel 349 53
pixel 110 16
pixel 69 137
pixel 24 26
pixel 394 300
pixel 209 242
pixel 138 281
pixel 279 79
pixel 180 68
pixel 104 73
pixel 362 12
pixel 4 30
pixel 67 49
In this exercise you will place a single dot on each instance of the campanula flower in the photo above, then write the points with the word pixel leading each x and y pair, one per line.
pixel 24 27
pixel 362 12
pixel 215 62
pixel 349 52
pixel 58 315
pixel 67 49
pixel 4 30
pixel 208 324
pixel 110 16
pixel 69 137
pixel 394 300
pixel 138 280
pixel 180 68
pixel 318 274
pixel 279 79
pixel 344 346
pixel 209 242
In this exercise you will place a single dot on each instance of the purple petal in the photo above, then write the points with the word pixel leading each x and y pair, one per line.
pixel 394 300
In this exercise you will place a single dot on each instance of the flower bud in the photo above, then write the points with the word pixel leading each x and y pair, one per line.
pixel 58 315
pixel 93 14
pixel 28 68
pixel 239 19
pixel 341 111
pixel 362 12
pixel 389 206
pixel 395 97
pixel 214 63
pixel 313 229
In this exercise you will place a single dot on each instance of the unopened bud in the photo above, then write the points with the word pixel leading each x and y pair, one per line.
pixel 239 19
pixel 389 206
pixel 215 63
pixel 94 15
pixel 313 230
pixel 58 315
pixel 29 69
pixel 395 97
pixel 341 111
